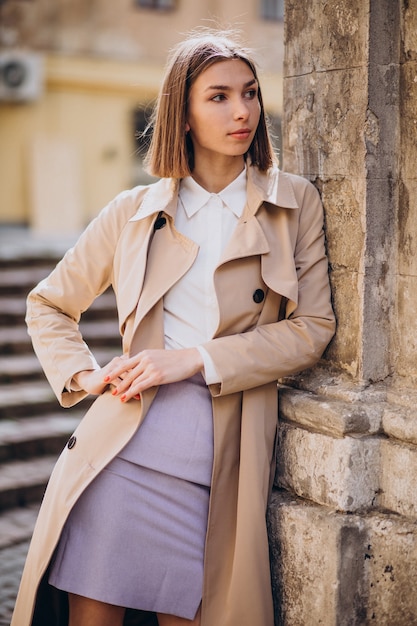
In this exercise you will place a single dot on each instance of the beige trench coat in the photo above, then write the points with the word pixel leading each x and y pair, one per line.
pixel 277 248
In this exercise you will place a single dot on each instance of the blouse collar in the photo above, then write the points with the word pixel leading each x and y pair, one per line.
pixel 193 196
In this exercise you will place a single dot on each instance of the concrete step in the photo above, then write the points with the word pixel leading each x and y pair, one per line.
pixel 15 339
pixel 19 367
pixel 25 367
pixel 26 399
pixel 19 280
pixel 13 308
pixel 29 437
pixel 24 482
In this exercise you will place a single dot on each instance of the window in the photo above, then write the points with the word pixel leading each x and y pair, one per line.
pixel 272 9
pixel 160 5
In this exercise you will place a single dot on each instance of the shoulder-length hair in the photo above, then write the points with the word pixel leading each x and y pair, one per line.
pixel 170 153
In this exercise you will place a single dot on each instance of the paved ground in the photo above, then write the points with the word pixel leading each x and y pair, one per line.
pixel 15 530
pixel 11 565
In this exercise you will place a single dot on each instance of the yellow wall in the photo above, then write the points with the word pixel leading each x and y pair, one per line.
pixel 86 111
pixel 66 155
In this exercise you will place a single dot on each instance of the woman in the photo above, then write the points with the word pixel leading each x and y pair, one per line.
pixel 158 502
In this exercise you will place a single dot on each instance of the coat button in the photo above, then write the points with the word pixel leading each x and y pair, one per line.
pixel 71 442
pixel 159 223
pixel 258 295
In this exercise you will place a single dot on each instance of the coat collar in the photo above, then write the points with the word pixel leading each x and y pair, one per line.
pixel 160 196
pixel 273 188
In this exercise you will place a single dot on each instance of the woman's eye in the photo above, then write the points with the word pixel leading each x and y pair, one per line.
pixel 251 94
pixel 219 97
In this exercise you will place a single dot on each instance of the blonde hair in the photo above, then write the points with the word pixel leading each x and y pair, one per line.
pixel 170 153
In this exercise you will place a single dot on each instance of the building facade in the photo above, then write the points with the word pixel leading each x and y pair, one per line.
pixel 91 72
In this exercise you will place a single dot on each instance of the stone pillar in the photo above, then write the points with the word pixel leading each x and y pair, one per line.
pixel 343 517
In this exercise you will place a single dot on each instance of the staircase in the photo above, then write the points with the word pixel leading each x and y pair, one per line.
pixel 33 426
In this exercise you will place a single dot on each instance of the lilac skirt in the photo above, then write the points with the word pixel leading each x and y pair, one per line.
pixel 136 536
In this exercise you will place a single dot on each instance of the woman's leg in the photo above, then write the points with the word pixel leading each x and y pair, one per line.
pixel 87 612
pixel 171 620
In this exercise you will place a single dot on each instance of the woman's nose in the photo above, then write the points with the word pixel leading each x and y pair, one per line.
pixel 241 111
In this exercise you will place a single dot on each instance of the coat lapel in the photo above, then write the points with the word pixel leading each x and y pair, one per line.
pixel 255 235
pixel 249 238
pixel 150 260
pixel 130 266
pixel 170 256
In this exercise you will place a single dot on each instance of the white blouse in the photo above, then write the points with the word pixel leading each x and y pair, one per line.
pixel 190 307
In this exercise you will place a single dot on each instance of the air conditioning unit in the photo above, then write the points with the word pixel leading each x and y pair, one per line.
pixel 21 76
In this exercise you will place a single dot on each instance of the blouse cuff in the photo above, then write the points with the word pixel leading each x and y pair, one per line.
pixel 210 373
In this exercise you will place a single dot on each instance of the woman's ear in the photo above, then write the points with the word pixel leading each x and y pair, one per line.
pixel 187 127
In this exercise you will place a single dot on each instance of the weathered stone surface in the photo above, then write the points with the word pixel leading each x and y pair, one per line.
pixel 333 384
pixel 342 27
pixel 405 342
pixel 331 568
pixel 326 415
pixel 350 126
pixel 407 231
pixel 399 417
pixel 345 346
pixel 401 423
pixel 390 564
pixel 323 115
pixel 304 564
pixel 409 30
pixel 398 477
pixel 339 472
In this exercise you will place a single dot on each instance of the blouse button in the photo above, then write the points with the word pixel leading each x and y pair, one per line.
pixel 258 296
pixel 159 223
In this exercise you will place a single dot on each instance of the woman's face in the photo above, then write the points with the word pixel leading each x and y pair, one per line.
pixel 223 110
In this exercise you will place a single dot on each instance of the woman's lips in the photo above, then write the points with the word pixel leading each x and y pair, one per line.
pixel 242 133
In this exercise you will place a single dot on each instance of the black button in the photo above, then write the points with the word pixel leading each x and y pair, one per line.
pixel 71 442
pixel 258 295
pixel 159 223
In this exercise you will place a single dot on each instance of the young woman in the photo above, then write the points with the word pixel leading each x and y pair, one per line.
pixel 157 504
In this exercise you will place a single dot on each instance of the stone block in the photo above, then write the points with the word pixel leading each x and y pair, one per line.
pixel 339 472
pixel 304 562
pixel 390 563
pixel 399 421
pixel 345 345
pixel 408 105
pixel 324 123
pixel 343 27
pixel 326 415
pixel 331 568
pixel 398 477
pixel 407 222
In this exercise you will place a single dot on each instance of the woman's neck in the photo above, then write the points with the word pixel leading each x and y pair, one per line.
pixel 217 176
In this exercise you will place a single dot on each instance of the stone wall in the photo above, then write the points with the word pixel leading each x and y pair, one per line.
pixel 343 519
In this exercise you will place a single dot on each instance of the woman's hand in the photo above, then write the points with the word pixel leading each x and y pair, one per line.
pixel 130 376
pixel 91 381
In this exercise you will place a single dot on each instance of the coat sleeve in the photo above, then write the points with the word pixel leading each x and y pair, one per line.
pixel 55 305
pixel 276 350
